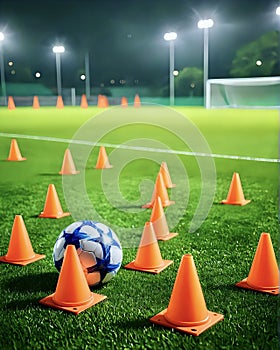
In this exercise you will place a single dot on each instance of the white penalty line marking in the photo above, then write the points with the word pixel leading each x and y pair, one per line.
pixel 139 148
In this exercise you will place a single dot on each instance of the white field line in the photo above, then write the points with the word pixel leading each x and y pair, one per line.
pixel 140 148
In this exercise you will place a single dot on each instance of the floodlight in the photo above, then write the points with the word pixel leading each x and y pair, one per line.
pixel 278 11
pixel 58 49
pixel 205 23
pixel 170 36
pixel 2 36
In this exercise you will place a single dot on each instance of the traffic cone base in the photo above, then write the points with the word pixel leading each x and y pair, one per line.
pixel 54 216
pixel 167 237
pixel 245 285
pixel 165 203
pixel 156 270
pixel 22 262
pixel 20 251
pixel 241 203
pixel 95 298
pixel 196 330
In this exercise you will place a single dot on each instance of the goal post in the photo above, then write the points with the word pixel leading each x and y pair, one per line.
pixel 260 92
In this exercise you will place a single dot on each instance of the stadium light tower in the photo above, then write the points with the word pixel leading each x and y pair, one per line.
pixel 58 50
pixel 171 37
pixel 205 24
pixel 2 68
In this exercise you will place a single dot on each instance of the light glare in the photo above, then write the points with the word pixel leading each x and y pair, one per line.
pixel 205 23
pixel 2 36
pixel 278 11
pixel 170 36
pixel 58 49
pixel 258 62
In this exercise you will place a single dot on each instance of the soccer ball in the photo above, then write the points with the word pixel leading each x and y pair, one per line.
pixel 98 248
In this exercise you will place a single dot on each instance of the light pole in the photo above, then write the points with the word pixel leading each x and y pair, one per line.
pixel 171 36
pixel 2 68
pixel 205 24
pixel 58 50
pixel 87 75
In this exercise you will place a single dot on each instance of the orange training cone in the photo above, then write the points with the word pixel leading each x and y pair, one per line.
pixel 235 194
pixel 148 257
pixel 124 102
pixel 72 291
pixel 52 208
pixel 68 166
pixel 100 103
pixel 106 101
pixel 14 154
pixel 264 273
pixel 137 101
pixel 166 176
pixel 102 160
pixel 187 310
pixel 36 103
pixel 84 103
pixel 11 103
pixel 159 222
pixel 159 190
pixel 20 251
pixel 59 102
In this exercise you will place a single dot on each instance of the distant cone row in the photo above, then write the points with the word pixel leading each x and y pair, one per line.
pixel 102 102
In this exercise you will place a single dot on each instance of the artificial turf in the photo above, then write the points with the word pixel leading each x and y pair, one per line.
pixel 223 246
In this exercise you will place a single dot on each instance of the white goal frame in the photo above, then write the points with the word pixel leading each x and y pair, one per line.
pixel 265 84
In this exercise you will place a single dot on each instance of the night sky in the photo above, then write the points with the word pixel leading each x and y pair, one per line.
pixel 125 37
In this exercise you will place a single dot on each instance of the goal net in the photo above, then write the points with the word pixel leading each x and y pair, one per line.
pixel 261 92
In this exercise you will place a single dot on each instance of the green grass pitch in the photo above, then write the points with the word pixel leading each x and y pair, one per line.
pixel 223 246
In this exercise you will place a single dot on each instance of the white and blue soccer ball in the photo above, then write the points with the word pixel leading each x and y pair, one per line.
pixel 98 248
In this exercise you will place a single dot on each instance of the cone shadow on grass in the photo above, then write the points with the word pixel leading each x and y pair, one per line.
pixel 32 282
